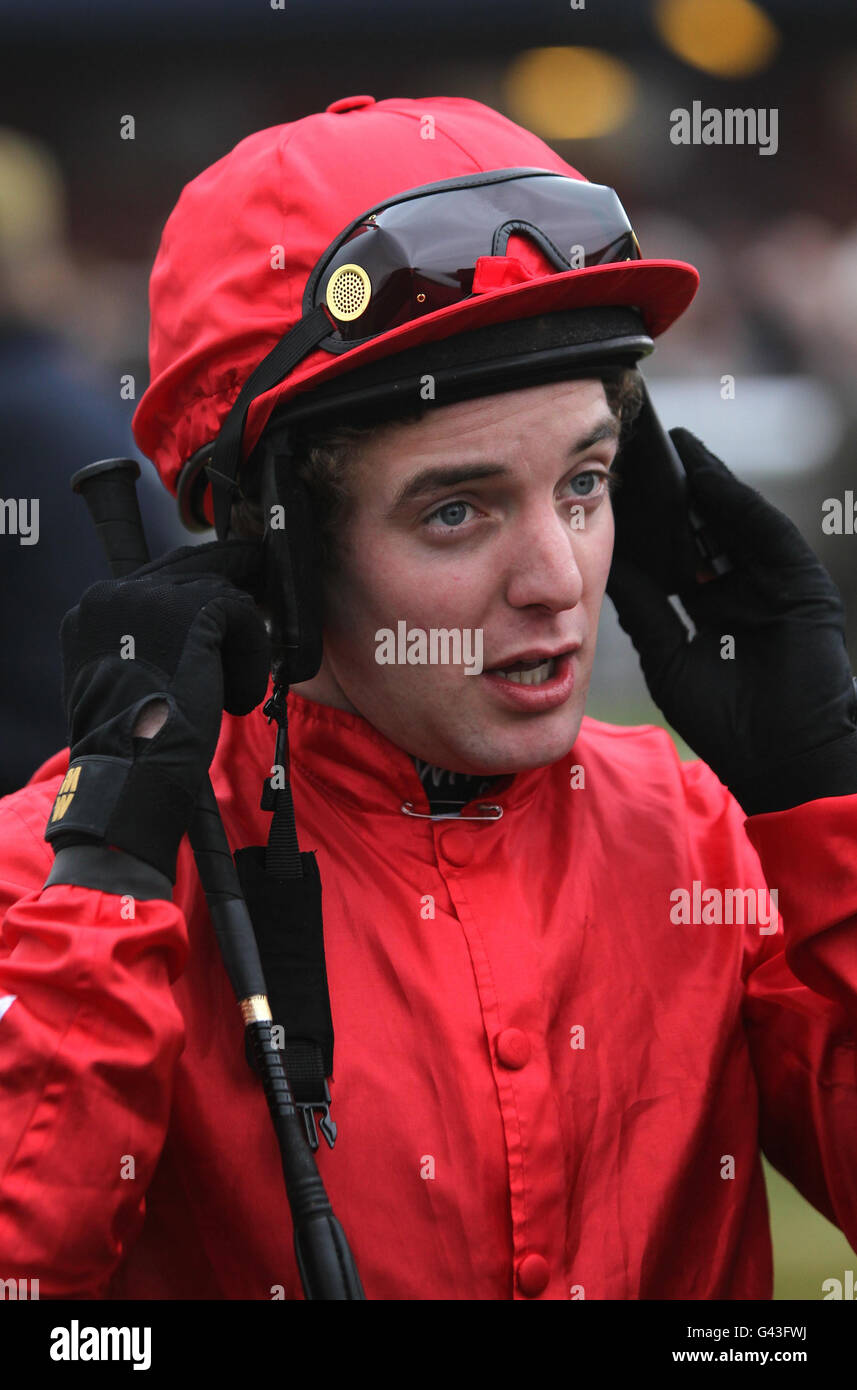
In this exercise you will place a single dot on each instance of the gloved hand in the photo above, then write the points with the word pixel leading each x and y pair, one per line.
pixel 778 723
pixel 183 630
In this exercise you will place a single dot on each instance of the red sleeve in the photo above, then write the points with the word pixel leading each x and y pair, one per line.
pixel 800 991
pixel 89 1037
pixel 801 1003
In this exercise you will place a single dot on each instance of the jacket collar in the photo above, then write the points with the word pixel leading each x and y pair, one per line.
pixel 351 762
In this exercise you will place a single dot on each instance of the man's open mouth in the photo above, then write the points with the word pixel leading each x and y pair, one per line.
pixel 535 668
pixel 527 672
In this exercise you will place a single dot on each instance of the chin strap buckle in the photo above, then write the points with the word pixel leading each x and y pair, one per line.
pixel 325 1124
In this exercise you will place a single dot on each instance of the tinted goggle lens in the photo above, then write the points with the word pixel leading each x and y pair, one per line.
pixel 419 254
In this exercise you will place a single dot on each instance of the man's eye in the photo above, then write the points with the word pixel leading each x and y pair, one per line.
pixel 451 514
pixel 590 480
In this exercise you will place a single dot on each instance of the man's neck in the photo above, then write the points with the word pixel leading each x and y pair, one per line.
pixel 324 689
pixel 447 792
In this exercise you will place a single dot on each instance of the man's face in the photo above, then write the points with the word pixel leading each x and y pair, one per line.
pixel 489 514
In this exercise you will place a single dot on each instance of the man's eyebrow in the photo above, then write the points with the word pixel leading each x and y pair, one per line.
pixel 608 428
pixel 429 480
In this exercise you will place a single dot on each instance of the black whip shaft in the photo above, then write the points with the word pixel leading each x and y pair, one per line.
pixel 325 1262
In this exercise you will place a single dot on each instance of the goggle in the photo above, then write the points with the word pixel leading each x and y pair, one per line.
pixel 418 252
pixel 412 255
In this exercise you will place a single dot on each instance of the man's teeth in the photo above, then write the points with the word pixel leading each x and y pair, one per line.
pixel 537 676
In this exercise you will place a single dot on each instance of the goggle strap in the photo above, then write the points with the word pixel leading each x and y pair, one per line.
pixel 516 225
pixel 226 457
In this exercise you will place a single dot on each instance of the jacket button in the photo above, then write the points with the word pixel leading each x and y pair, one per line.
pixel 457 846
pixel 349 104
pixel 533 1275
pixel 513 1048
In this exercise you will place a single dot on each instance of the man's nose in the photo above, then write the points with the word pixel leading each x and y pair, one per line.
pixel 543 567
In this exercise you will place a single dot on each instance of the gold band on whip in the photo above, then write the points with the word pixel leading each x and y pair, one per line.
pixel 255 1009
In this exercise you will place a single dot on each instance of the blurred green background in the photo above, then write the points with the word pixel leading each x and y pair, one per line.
pixel 807 1248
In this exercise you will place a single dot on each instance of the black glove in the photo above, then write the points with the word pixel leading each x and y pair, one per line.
pixel 778 723
pixel 184 630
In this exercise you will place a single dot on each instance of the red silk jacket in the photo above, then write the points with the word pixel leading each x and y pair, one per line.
pixel 560 1040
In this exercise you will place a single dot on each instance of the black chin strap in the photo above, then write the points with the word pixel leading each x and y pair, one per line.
pixel 226 459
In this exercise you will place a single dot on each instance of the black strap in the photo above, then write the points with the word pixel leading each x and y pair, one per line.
pixel 287 922
pixel 282 857
pixel 226 458
pixel 282 889
pixel 109 871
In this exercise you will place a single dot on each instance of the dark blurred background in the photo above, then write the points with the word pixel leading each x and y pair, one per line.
pixel 774 236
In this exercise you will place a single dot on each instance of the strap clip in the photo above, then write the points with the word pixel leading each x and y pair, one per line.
pixel 326 1124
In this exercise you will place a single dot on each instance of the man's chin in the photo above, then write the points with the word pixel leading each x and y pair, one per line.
pixel 516 750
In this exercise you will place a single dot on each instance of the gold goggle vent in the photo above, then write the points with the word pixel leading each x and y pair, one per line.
pixel 349 290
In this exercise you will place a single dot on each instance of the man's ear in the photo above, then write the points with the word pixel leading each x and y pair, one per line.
pixel 293 568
